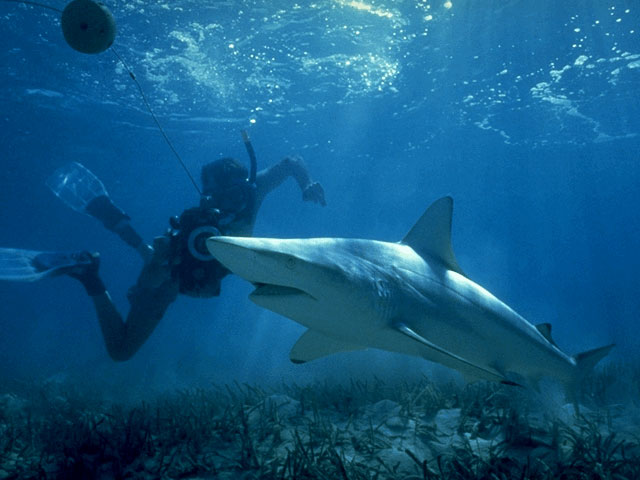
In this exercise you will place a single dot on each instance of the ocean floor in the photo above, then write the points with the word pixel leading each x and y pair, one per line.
pixel 359 430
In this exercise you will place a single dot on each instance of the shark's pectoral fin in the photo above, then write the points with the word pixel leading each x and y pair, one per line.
pixel 312 345
pixel 469 370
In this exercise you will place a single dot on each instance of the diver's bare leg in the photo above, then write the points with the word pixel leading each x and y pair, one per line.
pixel 126 232
pixel 148 305
pixel 149 298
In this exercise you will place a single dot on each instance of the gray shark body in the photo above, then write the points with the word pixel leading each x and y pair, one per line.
pixel 409 297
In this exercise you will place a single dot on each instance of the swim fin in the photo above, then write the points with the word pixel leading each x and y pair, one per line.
pixel 76 186
pixel 29 265
pixel 83 192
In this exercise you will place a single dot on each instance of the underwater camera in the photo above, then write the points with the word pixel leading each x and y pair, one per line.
pixel 196 267
pixel 190 230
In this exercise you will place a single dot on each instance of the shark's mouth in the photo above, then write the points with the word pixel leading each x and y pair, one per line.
pixel 273 290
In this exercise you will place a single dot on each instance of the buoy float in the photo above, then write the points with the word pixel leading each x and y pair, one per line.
pixel 88 26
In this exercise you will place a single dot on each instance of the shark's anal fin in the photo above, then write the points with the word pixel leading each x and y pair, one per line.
pixel 467 368
pixel 545 330
pixel 313 345
pixel 586 361
pixel 431 235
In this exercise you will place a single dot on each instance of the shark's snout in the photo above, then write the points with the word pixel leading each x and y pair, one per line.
pixel 257 260
pixel 238 254
pixel 272 268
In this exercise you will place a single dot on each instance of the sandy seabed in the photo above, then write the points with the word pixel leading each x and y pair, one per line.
pixel 358 430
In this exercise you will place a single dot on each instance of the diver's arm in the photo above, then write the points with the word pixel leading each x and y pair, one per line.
pixel 272 177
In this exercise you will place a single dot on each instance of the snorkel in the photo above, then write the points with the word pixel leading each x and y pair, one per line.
pixel 252 157
pixel 248 187
pixel 224 178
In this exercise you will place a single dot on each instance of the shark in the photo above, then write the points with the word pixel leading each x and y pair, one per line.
pixel 409 297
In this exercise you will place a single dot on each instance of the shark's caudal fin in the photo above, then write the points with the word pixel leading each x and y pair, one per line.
pixel 431 235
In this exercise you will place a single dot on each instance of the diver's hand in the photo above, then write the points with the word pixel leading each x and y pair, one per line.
pixel 314 193
pixel 158 269
pixel 146 252
pixel 161 249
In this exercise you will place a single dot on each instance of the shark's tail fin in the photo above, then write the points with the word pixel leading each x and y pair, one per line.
pixel 585 363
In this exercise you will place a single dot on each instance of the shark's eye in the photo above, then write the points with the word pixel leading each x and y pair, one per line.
pixel 291 263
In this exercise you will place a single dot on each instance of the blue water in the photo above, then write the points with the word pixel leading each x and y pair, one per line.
pixel 527 113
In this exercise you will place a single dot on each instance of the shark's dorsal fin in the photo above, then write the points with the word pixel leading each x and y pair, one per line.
pixel 431 235
pixel 313 345
pixel 545 330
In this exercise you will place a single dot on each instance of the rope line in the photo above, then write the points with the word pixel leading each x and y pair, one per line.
pixel 155 119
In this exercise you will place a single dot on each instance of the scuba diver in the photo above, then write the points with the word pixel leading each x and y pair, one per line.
pixel 178 262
